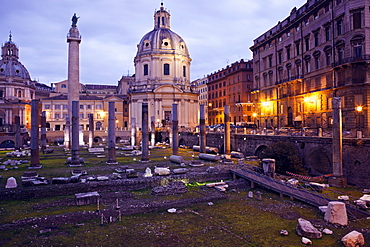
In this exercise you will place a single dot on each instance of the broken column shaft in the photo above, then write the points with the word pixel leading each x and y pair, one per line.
pixel 17 130
pixel 227 129
pixel 202 130
pixel 35 155
pixel 43 131
pixel 111 134
pixel 145 133
pixel 175 130
pixel 91 130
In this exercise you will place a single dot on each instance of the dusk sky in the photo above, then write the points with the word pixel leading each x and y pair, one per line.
pixel 217 33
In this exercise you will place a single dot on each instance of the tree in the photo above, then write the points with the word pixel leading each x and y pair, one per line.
pixel 286 157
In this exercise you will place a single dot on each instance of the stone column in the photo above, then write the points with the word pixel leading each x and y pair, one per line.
pixel 133 130
pixel 17 130
pixel 202 137
pixel 152 126
pixel 227 129
pixel 145 133
pixel 43 131
pixel 175 130
pixel 337 180
pixel 67 134
pixel 111 135
pixel 75 134
pixel 91 130
pixel 73 40
pixel 35 155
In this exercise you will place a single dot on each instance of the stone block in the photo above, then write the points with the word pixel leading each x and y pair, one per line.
pixel 353 239
pixel 336 213
pixel 306 229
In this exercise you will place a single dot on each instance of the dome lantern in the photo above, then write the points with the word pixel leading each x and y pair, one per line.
pixel 162 18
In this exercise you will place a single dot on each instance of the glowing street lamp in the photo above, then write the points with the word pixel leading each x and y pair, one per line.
pixel 358 117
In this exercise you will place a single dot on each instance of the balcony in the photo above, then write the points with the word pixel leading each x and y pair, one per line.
pixel 363 58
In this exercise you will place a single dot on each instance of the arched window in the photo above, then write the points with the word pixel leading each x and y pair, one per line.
pixel 64 86
pixel 340 50
pixel 328 51
pixel 146 69
pixel 357 42
pixel 316 55
pixel 308 63
pixel 166 69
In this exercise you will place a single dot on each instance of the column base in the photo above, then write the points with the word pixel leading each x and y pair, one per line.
pixel 34 167
pixel 338 182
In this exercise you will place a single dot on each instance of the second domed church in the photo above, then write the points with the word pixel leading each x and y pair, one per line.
pixel 162 76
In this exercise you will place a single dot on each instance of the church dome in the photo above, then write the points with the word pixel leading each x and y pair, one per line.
pixel 162 39
pixel 9 64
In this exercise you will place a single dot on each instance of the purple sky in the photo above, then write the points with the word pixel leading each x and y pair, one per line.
pixel 217 33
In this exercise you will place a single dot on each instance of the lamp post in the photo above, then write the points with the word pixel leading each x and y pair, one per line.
pixel 358 118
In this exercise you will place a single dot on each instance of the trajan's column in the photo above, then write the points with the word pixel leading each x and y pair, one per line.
pixel 73 40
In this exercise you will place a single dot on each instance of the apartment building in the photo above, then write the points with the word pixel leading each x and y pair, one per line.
pixel 231 86
pixel 318 52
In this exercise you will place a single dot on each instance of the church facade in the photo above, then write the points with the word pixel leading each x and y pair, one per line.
pixel 16 88
pixel 162 77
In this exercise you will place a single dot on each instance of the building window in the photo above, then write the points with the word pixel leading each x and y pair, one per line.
pixel 47 107
pixel 339 27
pixel 288 52
pixel 308 65
pixel 298 70
pixel 81 115
pixel 327 33
pixel 65 107
pixel 57 107
pixel 166 69
pixel 88 106
pixel 298 48
pixel 316 36
pixel 64 86
pixel 184 71
pixel 307 43
pixel 98 107
pixel 57 115
pixel 357 20
pixel 146 69
pixel 81 107
pixel 317 62
pixel 340 54
pixel 357 49
pixel 270 61
pixel 280 57
pixel 328 57
pixel 57 127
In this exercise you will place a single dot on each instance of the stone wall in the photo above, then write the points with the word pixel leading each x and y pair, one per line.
pixel 316 152
pixel 43 191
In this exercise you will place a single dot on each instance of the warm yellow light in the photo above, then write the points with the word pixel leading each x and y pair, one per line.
pixel 210 104
pixel 117 121
pixel 306 100
pixel 102 114
pixel 359 108
pixel 266 104
pixel 254 114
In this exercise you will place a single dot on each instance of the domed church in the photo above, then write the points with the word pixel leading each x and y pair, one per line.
pixel 162 76
pixel 16 88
